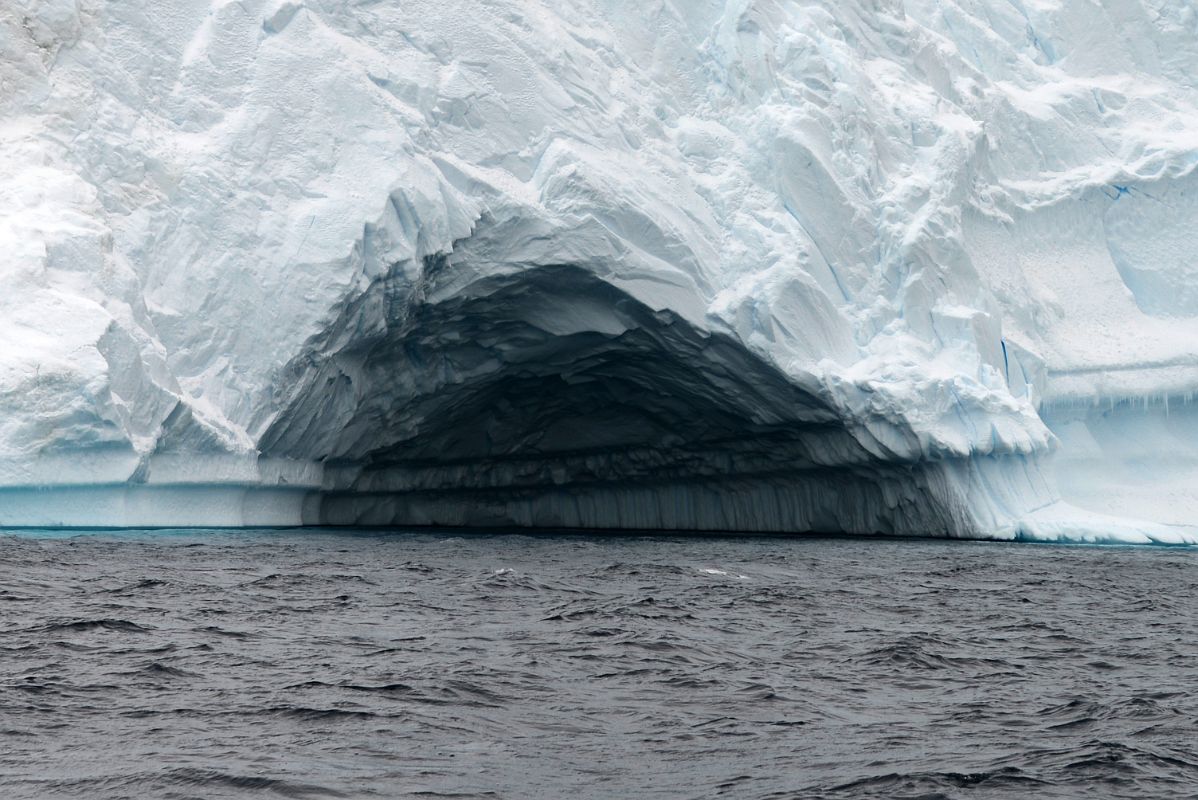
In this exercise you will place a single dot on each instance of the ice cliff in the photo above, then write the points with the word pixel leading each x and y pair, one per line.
pixel 877 266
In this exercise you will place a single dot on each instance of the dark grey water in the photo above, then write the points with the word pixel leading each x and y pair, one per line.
pixel 314 664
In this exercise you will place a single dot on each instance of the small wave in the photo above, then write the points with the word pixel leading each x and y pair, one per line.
pixel 391 650
pixel 157 669
pixel 1108 757
pixel 383 688
pixel 214 629
pixel 310 714
pixel 190 776
pixel 30 685
pixel 918 783
pixel 80 625
pixel 723 573
pixel 145 583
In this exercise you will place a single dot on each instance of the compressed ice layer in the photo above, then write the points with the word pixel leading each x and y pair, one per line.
pixel 752 265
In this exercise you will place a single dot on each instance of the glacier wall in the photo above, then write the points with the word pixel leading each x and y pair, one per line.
pixel 878 266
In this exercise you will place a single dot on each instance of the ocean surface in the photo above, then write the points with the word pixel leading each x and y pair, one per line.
pixel 312 664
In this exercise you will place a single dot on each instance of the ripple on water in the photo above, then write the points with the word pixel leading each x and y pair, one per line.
pixel 315 664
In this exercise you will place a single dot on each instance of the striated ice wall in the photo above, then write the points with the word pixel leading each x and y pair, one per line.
pixel 870 266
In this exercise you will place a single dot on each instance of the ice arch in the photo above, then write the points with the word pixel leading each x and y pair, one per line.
pixel 550 397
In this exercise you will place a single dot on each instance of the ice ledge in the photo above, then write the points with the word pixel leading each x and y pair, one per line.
pixel 119 489
pixel 1063 522
pixel 142 506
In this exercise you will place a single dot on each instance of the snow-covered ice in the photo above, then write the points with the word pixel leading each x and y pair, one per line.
pixel 877 266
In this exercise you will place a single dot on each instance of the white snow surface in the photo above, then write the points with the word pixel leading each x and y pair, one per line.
pixel 875 266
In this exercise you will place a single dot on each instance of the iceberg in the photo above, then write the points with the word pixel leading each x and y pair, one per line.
pixel 915 267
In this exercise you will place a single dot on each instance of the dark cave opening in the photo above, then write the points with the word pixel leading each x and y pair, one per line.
pixel 551 397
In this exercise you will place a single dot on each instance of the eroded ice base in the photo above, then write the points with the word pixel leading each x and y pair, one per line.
pixel 974 498
pixel 941 501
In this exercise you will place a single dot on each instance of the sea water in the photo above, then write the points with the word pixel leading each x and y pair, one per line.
pixel 312 663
